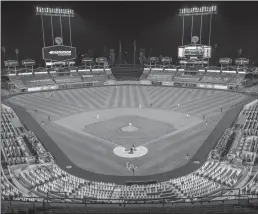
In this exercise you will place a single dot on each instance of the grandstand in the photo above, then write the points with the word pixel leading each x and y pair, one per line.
pixel 50 79
pixel 24 82
pixel 196 76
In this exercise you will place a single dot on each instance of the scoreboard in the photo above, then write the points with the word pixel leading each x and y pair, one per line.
pixel 194 51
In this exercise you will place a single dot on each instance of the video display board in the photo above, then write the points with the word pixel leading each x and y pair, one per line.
pixel 199 51
pixel 193 51
pixel 59 53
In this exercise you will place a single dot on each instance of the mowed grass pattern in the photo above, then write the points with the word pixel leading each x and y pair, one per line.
pixel 68 102
pixel 98 156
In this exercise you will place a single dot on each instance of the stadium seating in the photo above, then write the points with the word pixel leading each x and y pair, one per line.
pixel 144 74
pixel 11 140
pixel 251 89
pixel 211 77
pixel 159 76
pixel 236 79
pixel 251 123
pixel 228 77
pixel 67 79
pixel 18 82
pixel 188 76
pixel 32 81
pixel 252 186
pixel 101 77
pixel 9 190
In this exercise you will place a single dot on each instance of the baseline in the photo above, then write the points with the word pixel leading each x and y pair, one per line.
pixel 85 133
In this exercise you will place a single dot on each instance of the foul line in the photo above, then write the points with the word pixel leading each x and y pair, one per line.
pixel 87 134
pixel 173 133
pixel 180 130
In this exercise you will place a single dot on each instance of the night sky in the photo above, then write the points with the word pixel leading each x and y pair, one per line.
pixel 98 26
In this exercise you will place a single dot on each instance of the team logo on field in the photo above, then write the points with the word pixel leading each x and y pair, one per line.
pixel 130 166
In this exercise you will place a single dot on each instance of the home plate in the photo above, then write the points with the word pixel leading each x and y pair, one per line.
pixel 130 153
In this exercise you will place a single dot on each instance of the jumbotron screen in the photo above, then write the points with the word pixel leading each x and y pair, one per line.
pixel 199 51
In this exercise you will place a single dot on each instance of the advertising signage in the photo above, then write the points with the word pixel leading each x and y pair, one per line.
pixel 166 59
pixel 153 59
pixel 101 60
pixel 225 61
pixel 28 62
pixel 242 61
pixel 11 63
pixel 87 59
pixel 59 53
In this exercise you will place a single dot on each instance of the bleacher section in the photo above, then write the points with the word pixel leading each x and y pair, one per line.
pixel 251 89
pixel 237 78
pixel 32 81
pixel 213 77
pixel 188 75
pixel 9 190
pixel 127 72
pixel 181 76
pixel 66 79
pixel 159 75
pixel 63 77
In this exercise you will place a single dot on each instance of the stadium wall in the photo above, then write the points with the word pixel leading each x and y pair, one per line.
pixel 139 83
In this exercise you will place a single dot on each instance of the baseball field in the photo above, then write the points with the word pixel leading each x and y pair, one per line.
pixel 88 125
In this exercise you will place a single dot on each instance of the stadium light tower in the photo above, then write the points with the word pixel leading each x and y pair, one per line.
pixel 45 11
pixel 197 11
pixel 57 52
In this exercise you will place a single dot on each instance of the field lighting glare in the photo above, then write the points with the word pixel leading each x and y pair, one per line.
pixel 46 11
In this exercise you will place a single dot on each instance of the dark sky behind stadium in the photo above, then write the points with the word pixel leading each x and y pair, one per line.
pixel 155 26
